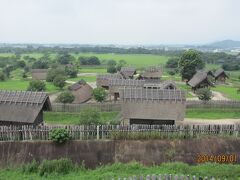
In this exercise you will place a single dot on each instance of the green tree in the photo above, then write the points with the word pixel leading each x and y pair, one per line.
pixel 189 63
pixel 120 64
pixel 40 64
pixel 111 63
pixel 59 81
pixel 65 58
pixel 52 73
pixel 71 72
pixel 36 85
pixel 66 97
pixel 2 76
pixel 172 63
pixel 99 94
pixel 204 94
pixel 90 116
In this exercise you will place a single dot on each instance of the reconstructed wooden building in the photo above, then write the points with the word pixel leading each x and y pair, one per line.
pixel 201 79
pixel 39 74
pixel 81 91
pixel 152 74
pixel 220 76
pixel 23 107
pixel 103 80
pixel 128 72
pixel 152 106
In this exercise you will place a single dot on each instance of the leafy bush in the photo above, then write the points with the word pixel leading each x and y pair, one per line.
pixel 59 81
pixel 52 73
pixel 66 97
pixel 90 116
pixel 99 94
pixel 36 85
pixel 60 166
pixel 31 167
pixel 40 64
pixel 2 76
pixel 204 94
pixel 59 135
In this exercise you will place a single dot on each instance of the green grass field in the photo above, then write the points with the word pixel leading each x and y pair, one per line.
pixel 86 78
pixel 229 171
pixel 110 117
pixel 73 118
pixel 213 113
pixel 22 85
pixel 229 91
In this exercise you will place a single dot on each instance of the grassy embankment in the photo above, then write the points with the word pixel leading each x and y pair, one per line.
pixel 116 170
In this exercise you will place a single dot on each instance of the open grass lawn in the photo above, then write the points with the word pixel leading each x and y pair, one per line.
pixel 228 91
pixel 229 171
pixel 93 69
pixel 186 88
pixel 213 113
pixel 86 78
pixel 20 84
pixel 73 118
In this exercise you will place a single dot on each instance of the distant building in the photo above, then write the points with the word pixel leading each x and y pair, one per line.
pixel 220 76
pixel 128 72
pixel 23 107
pixel 201 79
pixel 103 80
pixel 152 74
pixel 81 91
pixel 152 106
pixel 39 74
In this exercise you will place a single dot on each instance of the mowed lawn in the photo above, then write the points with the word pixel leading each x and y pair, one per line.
pixel 228 91
pixel 22 85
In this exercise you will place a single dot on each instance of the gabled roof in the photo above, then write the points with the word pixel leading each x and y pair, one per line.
pixel 126 82
pixel 151 94
pixel 198 78
pixel 110 76
pixel 39 73
pixel 152 72
pixel 22 106
pixel 163 85
pixel 127 72
pixel 219 72
pixel 77 85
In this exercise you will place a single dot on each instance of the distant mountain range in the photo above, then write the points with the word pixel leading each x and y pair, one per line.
pixel 226 44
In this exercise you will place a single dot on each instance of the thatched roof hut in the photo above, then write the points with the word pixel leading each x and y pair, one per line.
pixel 103 79
pixel 23 107
pixel 81 91
pixel 128 72
pixel 220 76
pixel 39 74
pixel 163 85
pixel 152 74
pixel 200 80
pixel 152 106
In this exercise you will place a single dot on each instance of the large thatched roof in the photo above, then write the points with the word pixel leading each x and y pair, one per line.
pixel 22 106
pixel 126 82
pixel 103 79
pixel 163 85
pixel 81 91
pixel 40 74
pixel 127 72
pixel 198 78
pixel 220 72
pixel 132 93
pixel 152 72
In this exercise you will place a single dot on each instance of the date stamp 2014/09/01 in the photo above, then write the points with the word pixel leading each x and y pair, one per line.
pixel 221 158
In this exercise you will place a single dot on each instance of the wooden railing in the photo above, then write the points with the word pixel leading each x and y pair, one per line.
pixel 12 133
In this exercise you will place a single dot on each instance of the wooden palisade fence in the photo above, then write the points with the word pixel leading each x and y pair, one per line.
pixel 116 106
pixel 167 177
pixel 12 133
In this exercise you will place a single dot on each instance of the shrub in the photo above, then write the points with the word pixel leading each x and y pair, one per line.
pixel 59 81
pixel 59 135
pixel 36 85
pixel 99 94
pixel 89 116
pixel 60 166
pixel 111 69
pixel 52 73
pixel 2 76
pixel 66 97
pixel 31 167
pixel 204 94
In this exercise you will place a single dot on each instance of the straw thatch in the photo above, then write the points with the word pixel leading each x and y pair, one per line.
pixel 39 74
pixel 200 79
pixel 152 106
pixel 23 107
pixel 128 72
pixel 152 72
pixel 81 91
pixel 164 85
pixel 103 80
pixel 220 75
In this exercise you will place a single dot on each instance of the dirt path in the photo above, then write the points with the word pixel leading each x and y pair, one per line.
pixel 54 96
pixel 192 121
pixel 218 96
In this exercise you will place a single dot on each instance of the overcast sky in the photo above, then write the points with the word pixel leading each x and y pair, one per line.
pixel 119 21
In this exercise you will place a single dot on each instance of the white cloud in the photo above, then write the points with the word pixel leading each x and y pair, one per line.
pixel 119 21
